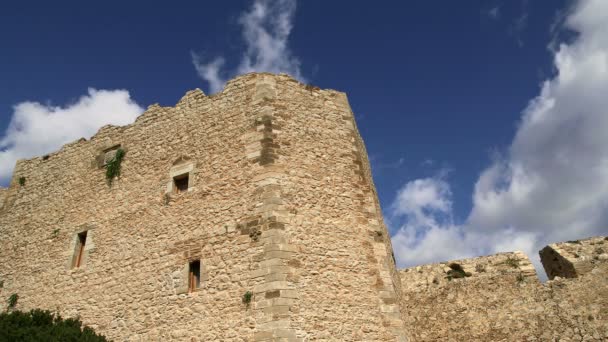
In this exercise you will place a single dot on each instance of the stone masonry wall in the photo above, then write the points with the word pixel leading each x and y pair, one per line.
pixel 499 298
pixel 280 203
pixel 574 258
pixel 3 194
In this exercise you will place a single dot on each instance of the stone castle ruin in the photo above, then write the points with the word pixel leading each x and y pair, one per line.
pixel 251 215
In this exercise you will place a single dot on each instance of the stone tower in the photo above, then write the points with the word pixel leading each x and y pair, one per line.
pixel 248 215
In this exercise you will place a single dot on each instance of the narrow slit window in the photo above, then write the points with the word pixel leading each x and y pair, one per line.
pixel 194 275
pixel 181 183
pixel 78 257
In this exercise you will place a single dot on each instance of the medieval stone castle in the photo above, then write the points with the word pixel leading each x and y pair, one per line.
pixel 251 215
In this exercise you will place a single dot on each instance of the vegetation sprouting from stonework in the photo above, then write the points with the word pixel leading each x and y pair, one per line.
pixel 113 166
pixel 520 278
pixel 512 262
pixel 456 271
pixel 480 268
pixel 12 301
pixel 21 181
pixel 42 325
pixel 247 297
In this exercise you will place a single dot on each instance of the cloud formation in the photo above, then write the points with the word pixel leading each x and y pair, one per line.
pixel 265 27
pixel 37 129
pixel 494 12
pixel 553 183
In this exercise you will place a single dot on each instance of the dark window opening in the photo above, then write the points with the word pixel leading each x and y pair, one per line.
pixel 194 275
pixel 181 183
pixel 82 240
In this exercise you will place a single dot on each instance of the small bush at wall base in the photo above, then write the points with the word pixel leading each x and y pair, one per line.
pixel 247 297
pixel 21 181
pixel 42 325
pixel 113 166
pixel 12 300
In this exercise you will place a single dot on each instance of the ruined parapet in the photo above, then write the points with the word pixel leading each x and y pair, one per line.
pixel 475 299
pixel 512 264
pixel 572 259
pixel 499 298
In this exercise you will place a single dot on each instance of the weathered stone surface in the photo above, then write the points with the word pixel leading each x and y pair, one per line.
pixel 573 258
pixel 280 202
pixel 500 299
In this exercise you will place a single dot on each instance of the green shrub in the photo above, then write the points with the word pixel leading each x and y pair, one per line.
pixel 456 271
pixel 113 166
pixel 12 300
pixel 21 181
pixel 42 325
pixel 247 297
pixel 512 262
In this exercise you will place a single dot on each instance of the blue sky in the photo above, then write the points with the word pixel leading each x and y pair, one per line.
pixel 441 91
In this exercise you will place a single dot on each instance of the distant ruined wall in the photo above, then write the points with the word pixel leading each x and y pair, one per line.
pixel 280 202
pixel 499 298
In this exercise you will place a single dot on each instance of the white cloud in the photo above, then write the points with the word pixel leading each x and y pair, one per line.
pixel 494 12
pixel 266 28
pixel 428 232
pixel 37 129
pixel 553 183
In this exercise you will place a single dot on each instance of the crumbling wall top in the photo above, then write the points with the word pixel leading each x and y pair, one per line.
pixel 154 113
pixel 572 259
pixel 419 278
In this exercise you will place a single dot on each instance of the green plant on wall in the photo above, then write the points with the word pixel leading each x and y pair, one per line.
pixel 512 262
pixel 113 166
pixel 12 300
pixel 21 181
pixel 247 298
pixel 456 271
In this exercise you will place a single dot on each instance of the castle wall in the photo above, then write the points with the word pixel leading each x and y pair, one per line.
pixel 499 298
pixel 3 194
pixel 280 203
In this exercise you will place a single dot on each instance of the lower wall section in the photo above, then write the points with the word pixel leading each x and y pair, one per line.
pixel 499 298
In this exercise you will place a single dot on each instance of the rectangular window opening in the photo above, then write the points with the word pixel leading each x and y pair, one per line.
pixel 181 183
pixel 194 275
pixel 82 240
